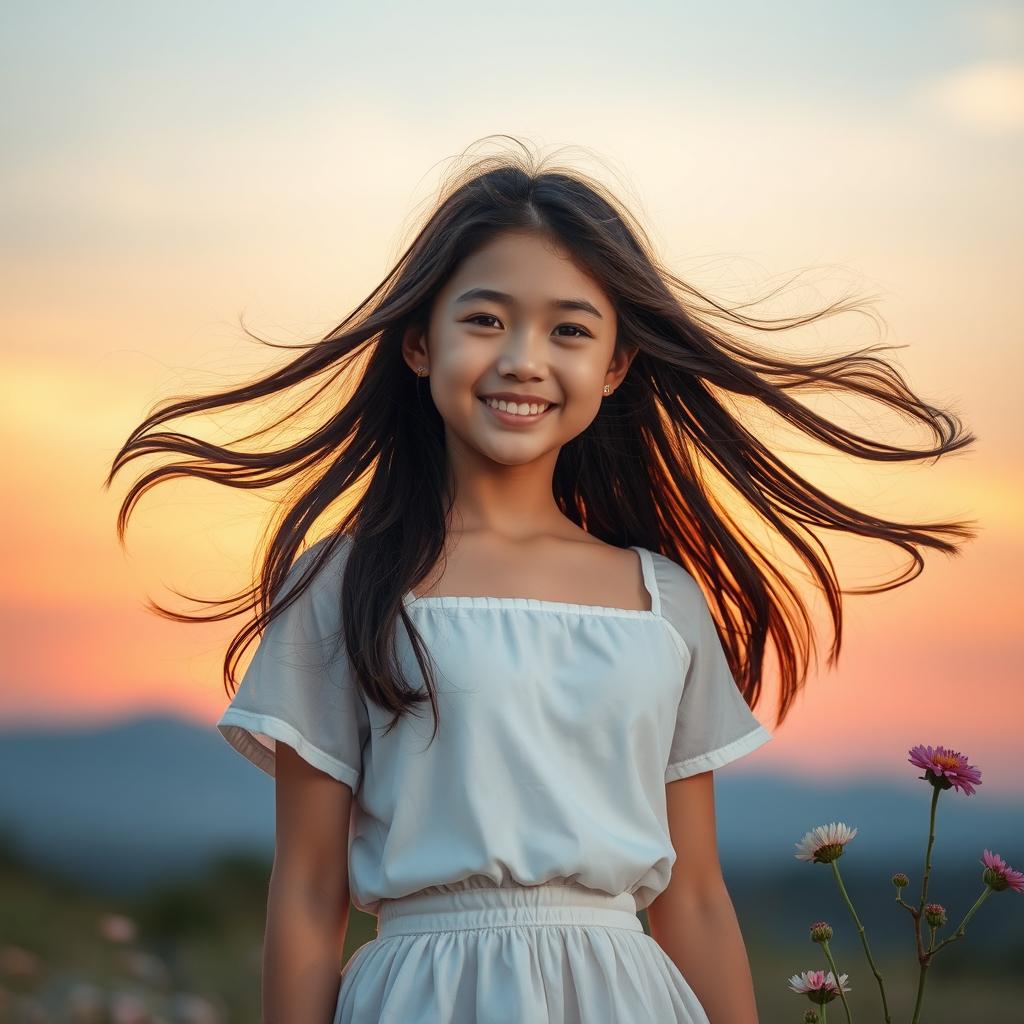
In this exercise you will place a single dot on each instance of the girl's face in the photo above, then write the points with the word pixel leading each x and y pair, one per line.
pixel 519 319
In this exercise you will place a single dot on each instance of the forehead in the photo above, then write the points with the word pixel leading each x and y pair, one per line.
pixel 533 268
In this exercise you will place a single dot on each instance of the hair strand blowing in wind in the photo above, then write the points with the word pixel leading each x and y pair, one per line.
pixel 637 475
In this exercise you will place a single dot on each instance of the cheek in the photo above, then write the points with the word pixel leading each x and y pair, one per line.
pixel 582 383
pixel 450 357
pixel 582 386
pixel 455 378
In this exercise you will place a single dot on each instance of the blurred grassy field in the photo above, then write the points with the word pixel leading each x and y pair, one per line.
pixel 196 956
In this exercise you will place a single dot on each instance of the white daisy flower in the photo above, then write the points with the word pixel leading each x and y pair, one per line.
pixel 824 843
pixel 818 986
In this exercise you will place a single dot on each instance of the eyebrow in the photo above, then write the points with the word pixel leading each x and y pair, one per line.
pixel 489 294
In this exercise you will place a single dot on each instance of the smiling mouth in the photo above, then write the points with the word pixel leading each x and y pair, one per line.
pixel 504 416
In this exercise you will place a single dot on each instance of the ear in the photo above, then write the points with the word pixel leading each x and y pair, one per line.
pixel 414 348
pixel 622 359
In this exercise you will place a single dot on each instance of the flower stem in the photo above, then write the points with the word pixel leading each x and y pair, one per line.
pixel 924 958
pixel 863 939
pixel 824 1014
pixel 839 985
pixel 962 927
pixel 905 905
pixel 920 992
pixel 928 852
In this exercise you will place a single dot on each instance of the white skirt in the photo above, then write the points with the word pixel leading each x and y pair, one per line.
pixel 542 954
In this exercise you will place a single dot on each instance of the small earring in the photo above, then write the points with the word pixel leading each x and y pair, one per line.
pixel 422 371
pixel 607 389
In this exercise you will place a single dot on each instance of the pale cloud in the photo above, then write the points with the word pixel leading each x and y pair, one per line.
pixel 988 96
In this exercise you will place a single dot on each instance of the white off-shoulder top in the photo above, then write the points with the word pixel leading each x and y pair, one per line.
pixel 560 726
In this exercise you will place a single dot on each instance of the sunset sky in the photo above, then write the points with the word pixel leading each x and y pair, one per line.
pixel 168 170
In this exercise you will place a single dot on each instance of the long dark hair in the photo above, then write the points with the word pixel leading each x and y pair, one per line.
pixel 667 464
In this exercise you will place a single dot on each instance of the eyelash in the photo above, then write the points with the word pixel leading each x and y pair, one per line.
pixel 490 316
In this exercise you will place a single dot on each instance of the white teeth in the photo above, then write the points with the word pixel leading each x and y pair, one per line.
pixel 517 409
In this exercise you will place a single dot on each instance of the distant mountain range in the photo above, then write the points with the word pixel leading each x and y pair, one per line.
pixel 123 805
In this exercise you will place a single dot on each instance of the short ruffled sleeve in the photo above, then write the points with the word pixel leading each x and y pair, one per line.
pixel 713 723
pixel 298 688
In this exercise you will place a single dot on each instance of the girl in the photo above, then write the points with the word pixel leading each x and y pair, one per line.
pixel 540 472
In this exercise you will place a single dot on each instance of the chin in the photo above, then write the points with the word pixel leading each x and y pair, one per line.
pixel 511 458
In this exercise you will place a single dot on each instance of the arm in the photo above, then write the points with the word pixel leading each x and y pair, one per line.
pixel 693 920
pixel 308 895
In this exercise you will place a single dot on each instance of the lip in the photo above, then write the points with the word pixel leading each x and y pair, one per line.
pixel 511 419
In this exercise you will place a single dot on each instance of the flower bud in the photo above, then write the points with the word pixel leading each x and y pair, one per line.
pixel 900 880
pixel 821 931
pixel 935 914
pixel 810 1016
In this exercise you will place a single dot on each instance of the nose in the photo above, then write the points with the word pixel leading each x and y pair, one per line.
pixel 523 353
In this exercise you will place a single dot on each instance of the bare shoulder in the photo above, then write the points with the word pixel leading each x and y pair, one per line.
pixel 610 575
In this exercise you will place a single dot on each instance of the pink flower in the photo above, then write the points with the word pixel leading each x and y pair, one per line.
pixel 945 768
pixel 818 986
pixel 999 875
pixel 18 963
pixel 117 928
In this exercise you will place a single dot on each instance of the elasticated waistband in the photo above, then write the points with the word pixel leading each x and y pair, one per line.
pixel 513 906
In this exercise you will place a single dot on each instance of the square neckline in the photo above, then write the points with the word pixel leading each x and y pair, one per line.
pixel 537 604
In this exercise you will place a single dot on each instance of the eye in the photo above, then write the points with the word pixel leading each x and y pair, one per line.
pixel 481 316
pixel 583 333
